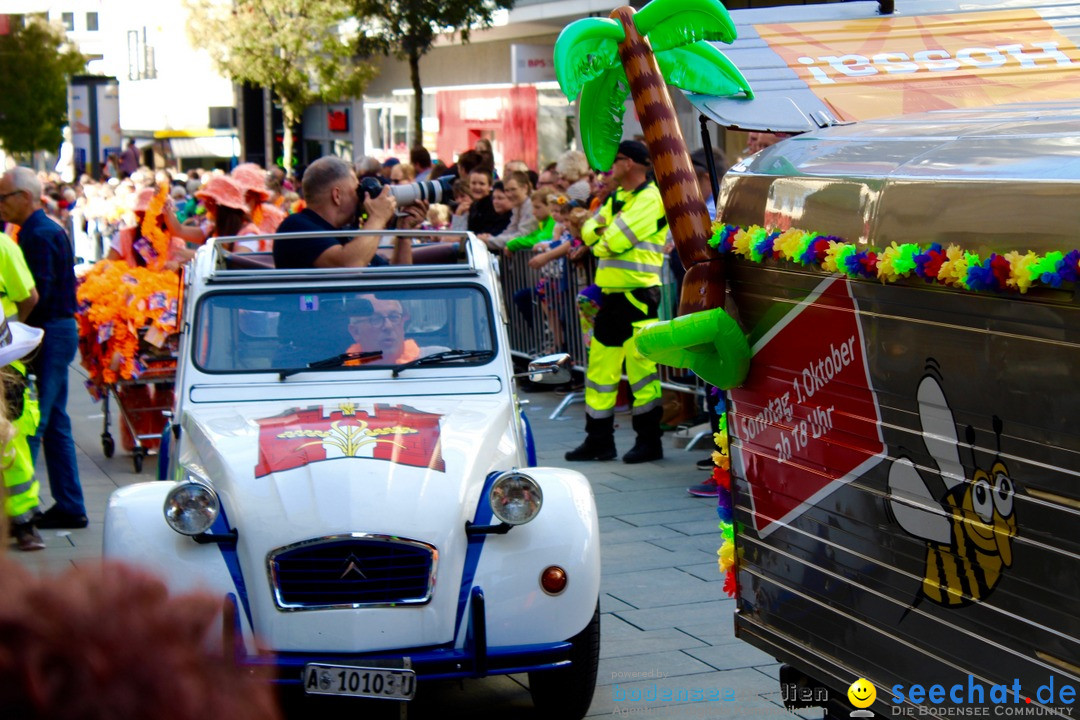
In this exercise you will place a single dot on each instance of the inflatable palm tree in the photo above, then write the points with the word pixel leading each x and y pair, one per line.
pixel 639 53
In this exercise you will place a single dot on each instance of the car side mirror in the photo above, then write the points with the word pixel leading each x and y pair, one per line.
pixel 549 370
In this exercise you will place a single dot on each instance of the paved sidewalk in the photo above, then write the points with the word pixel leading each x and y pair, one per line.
pixel 666 625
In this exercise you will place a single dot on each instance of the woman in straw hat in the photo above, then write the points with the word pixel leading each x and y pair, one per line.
pixel 226 212
pixel 252 180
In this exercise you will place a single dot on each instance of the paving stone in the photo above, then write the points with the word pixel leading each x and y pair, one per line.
pixel 649 516
pixel 679 615
pixel 614 627
pixel 599 488
pixel 670 479
pixel 656 588
pixel 644 642
pixel 661 665
pixel 631 556
pixel 613 530
pixel 718 631
pixel 708 571
pixel 706 526
pixel 609 604
pixel 639 501
pixel 772 670
pixel 729 657
pixel 707 544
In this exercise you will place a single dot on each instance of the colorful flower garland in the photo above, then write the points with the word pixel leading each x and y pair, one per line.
pixel 115 302
pixel 159 240
pixel 724 507
pixel 951 266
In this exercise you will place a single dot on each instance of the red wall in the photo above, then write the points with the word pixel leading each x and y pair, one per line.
pixel 506 115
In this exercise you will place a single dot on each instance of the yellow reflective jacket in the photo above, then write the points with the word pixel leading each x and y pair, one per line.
pixel 630 249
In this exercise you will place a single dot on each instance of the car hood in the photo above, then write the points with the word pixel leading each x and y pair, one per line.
pixel 288 472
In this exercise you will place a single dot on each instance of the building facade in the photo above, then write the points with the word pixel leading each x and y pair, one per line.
pixel 172 102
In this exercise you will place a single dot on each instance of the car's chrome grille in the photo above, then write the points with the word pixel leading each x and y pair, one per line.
pixel 352 571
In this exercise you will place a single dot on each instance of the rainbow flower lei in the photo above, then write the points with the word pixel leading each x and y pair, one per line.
pixel 724 508
pixel 951 266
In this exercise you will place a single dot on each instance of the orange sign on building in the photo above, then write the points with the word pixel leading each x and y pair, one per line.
pixel 895 65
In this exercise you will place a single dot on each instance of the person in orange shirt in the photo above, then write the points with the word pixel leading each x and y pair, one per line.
pixel 376 324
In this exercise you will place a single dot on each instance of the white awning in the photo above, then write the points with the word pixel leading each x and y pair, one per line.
pixel 226 146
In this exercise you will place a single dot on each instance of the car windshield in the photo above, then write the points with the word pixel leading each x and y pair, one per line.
pixel 280 331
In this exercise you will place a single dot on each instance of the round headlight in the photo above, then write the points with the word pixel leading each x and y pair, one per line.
pixel 515 498
pixel 191 508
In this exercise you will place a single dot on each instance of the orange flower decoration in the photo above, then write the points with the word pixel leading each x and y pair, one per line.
pixel 116 302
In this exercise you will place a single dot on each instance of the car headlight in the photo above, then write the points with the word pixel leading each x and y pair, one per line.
pixel 515 498
pixel 191 507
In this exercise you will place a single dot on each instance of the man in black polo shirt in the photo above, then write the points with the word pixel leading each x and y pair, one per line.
pixel 48 254
pixel 330 194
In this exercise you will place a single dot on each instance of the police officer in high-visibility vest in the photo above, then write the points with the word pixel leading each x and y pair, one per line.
pixel 627 236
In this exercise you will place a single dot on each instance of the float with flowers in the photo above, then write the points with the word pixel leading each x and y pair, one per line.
pixel 127 319
pixel 900 482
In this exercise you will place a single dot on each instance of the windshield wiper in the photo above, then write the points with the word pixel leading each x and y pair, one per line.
pixel 440 356
pixel 332 362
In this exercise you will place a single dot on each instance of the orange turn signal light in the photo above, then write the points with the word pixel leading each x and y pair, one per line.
pixel 553 580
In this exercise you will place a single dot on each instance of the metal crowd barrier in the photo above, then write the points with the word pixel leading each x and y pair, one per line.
pixel 543 311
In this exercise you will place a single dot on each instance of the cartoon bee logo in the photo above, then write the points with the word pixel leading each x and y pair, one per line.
pixel 969 531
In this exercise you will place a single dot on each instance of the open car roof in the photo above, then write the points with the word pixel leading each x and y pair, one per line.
pixel 813 66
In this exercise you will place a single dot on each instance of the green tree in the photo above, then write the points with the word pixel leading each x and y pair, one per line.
pixel 407 29
pixel 35 64
pixel 637 54
pixel 303 50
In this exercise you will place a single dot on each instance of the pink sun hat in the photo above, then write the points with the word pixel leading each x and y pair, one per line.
pixel 223 190
pixel 251 178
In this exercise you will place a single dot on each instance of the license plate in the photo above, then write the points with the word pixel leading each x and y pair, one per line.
pixel 359 682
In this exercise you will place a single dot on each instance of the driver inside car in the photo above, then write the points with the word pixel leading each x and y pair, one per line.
pixel 379 324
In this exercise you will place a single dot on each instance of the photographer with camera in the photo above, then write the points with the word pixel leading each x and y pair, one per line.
pixel 330 191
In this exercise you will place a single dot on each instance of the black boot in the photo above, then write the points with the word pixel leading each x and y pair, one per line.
pixel 647 446
pixel 599 441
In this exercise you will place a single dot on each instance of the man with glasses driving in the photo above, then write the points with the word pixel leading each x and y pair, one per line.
pixel 377 324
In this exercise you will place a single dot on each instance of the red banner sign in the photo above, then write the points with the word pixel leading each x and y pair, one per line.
pixel 393 433
pixel 806 420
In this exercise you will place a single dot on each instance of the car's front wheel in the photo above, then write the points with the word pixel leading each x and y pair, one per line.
pixel 567 692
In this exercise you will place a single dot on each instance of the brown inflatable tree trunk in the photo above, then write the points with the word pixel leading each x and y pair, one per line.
pixel 688 218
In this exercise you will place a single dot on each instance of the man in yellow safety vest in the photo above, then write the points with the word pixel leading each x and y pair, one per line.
pixel 627 236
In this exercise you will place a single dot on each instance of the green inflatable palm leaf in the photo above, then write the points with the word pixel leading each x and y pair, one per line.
pixel 585 50
pixel 674 23
pixel 603 103
pixel 702 68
